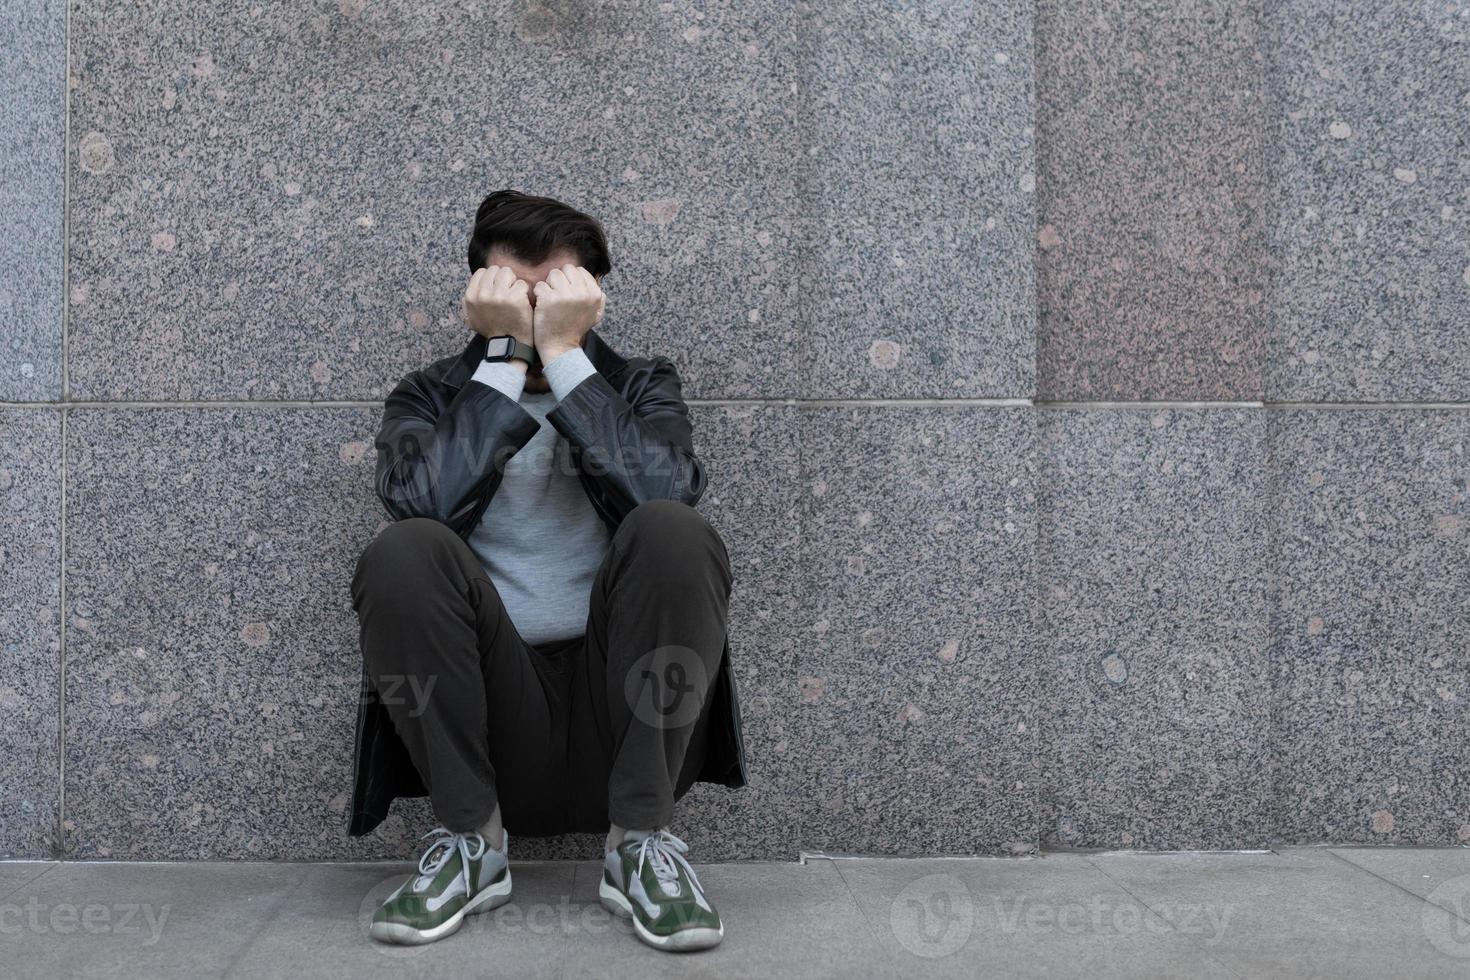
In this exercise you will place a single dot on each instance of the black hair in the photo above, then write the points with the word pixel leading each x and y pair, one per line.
pixel 531 228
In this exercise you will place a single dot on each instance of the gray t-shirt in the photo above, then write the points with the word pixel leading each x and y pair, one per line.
pixel 540 540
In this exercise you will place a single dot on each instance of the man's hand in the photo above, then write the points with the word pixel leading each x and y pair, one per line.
pixel 568 303
pixel 496 303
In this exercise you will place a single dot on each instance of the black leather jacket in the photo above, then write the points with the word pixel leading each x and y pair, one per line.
pixel 442 448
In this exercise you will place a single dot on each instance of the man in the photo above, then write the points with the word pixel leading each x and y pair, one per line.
pixel 543 626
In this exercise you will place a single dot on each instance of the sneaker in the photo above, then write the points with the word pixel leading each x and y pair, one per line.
pixel 459 875
pixel 648 880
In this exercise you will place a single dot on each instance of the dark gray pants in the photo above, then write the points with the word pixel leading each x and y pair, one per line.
pixel 567 736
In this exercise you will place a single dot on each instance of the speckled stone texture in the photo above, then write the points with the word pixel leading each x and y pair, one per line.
pixel 1372 226
pixel 1370 634
pixel 921 281
pixel 1151 227
pixel 917 666
pixel 1154 707
pixel 30 629
pixel 212 663
pixel 271 201
pixel 32 107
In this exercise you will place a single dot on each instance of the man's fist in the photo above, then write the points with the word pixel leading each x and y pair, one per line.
pixel 568 303
pixel 496 303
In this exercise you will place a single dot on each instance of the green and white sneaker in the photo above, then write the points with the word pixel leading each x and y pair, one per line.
pixel 648 879
pixel 459 875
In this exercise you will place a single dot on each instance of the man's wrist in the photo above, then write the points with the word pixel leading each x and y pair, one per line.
pixel 549 354
pixel 567 370
pixel 507 377
pixel 496 352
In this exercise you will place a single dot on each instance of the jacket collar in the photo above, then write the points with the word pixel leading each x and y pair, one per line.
pixel 607 361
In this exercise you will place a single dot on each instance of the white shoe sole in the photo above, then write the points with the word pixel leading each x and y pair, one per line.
pixel 684 941
pixel 491 897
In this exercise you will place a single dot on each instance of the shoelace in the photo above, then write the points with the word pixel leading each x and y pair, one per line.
pixel 666 853
pixel 447 846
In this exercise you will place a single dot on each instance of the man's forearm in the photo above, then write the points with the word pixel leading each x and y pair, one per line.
pixel 507 377
pixel 637 454
pixel 567 370
pixel 445 462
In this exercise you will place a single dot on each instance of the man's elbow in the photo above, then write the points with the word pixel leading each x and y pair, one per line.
pixel 404 497
pixel 690 487
pixel 682 483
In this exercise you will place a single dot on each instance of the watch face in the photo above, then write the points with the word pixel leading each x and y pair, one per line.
pixel 497 348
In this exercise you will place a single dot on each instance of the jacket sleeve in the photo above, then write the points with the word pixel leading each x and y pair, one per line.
pixel 446 464
pixel 636 451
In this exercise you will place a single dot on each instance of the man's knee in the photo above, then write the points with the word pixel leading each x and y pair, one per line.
pixel 400 547
pixel 668 523
pixel 673 543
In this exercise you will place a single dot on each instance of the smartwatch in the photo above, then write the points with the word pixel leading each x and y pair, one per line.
pixel 506 347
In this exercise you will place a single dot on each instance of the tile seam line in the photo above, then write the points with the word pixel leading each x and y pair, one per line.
pixel 263 926
pixel 862 912
pixel 1393 884
pixel 65 296
pixel 65 406
pixel 8 893
pixel 58 845
pixel 1173 926
pixel 564 948
pixel 1275 690
pixel 59 834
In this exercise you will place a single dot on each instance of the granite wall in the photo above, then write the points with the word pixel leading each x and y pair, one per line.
pixel 1084 387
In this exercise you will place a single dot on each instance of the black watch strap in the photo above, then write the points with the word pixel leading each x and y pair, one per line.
pixel 506 347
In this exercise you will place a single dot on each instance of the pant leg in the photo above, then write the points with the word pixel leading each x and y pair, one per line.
pixel 655 634
pixel 457 678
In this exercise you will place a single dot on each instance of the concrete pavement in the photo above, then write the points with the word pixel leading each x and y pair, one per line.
pixel 1328 912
